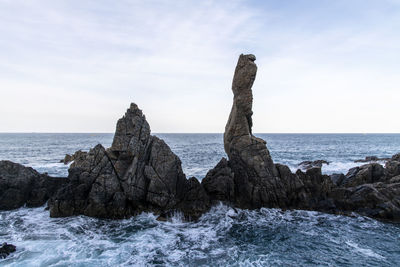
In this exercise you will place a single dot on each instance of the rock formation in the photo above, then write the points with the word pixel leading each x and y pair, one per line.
pixel 139 172
pixel 21 186
pixel 250 179
pixel 308 164
pixel 255 176
pixel 69 158
pixel 6 249
pixel 371 159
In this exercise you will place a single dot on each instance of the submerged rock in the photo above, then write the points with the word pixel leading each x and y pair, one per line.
pixel 6 249
pixel 20 185
pixel 139 172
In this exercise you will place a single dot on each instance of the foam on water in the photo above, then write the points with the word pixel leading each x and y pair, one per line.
pixel 223 236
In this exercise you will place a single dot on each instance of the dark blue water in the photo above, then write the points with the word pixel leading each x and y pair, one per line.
pixel 223 236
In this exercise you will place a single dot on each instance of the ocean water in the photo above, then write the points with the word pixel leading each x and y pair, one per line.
pixel 222 237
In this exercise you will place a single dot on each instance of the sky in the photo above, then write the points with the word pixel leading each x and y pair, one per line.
pixel 323 66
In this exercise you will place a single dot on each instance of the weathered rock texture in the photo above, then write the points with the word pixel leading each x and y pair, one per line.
pixel 308 164
pixel 69 158
pixel 250 179
pixel 138 172
pixel 20 185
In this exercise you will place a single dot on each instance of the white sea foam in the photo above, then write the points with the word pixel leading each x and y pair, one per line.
pixel 364 251
pixel 223 236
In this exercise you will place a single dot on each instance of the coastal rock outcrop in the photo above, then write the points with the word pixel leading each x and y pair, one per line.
pixel 371 159
pixel 139 172
pixel 6 249
pixel 308 164
pixel 250 179
pixel 69 158
pixel 20 185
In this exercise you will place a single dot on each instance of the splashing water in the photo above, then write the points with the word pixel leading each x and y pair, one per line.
pixel 223 236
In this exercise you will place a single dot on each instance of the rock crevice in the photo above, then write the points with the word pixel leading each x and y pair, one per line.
pixel 139 172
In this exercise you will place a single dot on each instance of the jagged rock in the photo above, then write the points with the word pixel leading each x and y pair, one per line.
pixel 195 201
pixel 6 249
pixel 378 200
pixel 368 173
pixel 255 172
pixel 67 159
pixel 396 157
pixel 250 179
pixel 337 178
pixel 318 187
pixel 395 179
pixel 138 172
pixel 308 164
pixel 219 182
pixel 77 155
pixel 392 168
pixel 20 185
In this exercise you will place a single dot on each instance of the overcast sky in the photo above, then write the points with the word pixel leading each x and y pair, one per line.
pixel 323 65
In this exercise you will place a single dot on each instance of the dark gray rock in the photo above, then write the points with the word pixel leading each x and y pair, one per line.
pixel 337 178
pixel 371 159
pixel 368 173
pixel 378 200
pixel 255 173
pixel 6 249
pixel 196 200
pixel 77 155
pixel 139 172
pixel 308 164
pixel 392 168
pixel 250 179
pixel 219 182
pixel 396 157
pixel 395 179
pixel 20 185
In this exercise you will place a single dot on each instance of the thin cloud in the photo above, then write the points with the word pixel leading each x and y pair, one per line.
pixel 84 62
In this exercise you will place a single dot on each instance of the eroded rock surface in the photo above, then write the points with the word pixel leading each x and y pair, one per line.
pixel 20 185
pixel 309 164
pixel 250 179
pixel 69 158
pixel 139 172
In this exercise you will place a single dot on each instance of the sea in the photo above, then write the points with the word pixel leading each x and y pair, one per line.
pixel 224 236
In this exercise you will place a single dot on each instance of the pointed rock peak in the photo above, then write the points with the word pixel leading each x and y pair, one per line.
pixel 131 129
pixel 133 107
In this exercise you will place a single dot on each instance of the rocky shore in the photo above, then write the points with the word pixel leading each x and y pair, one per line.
pixel 139 172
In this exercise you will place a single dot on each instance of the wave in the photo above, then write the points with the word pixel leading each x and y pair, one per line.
pixel 222 236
